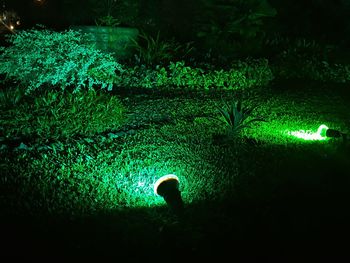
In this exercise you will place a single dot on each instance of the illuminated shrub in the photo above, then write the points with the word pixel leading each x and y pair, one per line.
pixel 256 72
pixel 38 58
pixel 241 75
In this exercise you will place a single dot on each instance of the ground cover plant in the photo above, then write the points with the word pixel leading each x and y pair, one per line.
pixel 57 115
pixel 78 163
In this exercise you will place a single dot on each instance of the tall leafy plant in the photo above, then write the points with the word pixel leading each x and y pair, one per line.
pixel 154 50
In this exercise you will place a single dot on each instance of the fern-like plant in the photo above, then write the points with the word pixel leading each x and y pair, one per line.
pixel 154 50
pixel 236 117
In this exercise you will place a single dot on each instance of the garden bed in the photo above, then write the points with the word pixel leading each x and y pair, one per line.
pixel 84 144
pixel 95 193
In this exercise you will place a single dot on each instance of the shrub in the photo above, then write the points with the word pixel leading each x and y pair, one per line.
pixel 56 115
pixel 37 58
pixel 257 72
pixel 243 74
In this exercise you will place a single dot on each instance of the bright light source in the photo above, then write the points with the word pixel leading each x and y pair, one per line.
pixel 168 187
pixel 311 136
pixel 322 130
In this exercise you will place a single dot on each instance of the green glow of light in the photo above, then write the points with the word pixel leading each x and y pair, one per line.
pixel 308 135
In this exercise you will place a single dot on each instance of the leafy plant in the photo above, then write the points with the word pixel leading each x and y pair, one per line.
pixel 57 115
pixel 154 50
pixel 235 117
pixel 41 58
pixel 11 96
pixel 242 75
pixel 257 72
pixel 107 21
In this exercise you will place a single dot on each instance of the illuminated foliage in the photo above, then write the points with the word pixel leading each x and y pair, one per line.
pixel 236 117
pixel 38 58
pixel 58 115
pixel 242 75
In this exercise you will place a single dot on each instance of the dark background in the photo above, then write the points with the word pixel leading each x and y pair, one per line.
pixel 323 19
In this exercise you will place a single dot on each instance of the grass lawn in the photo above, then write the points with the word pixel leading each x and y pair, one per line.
pixel 92 193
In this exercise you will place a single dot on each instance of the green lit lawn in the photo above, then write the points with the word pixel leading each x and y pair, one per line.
pixel 98 190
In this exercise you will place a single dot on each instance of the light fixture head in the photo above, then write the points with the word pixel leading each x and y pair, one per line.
pixel 311 136
pixel 323 132
pixel 333 133
pixel 168 187
pixel 166 183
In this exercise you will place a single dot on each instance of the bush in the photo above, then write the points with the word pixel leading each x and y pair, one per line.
pixel 256 72
pixel 242 75
pixel 37 58
pixel 57 115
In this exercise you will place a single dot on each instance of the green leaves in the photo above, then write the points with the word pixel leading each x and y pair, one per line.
pixel 153 50
pixel 39 57
pixel 58 115
pixel 235 117
pixel 242 75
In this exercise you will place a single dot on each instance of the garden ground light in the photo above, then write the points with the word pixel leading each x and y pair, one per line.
pixel 168 187
pixel 322 133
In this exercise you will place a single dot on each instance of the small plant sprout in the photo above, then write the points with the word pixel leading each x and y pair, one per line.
pixel 168 187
